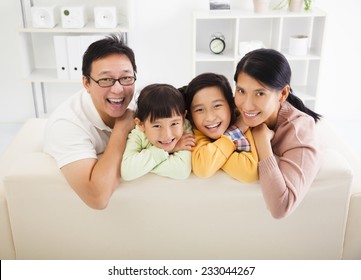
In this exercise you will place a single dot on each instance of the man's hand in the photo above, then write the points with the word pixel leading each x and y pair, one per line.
pixel 125 123
pixel 95 180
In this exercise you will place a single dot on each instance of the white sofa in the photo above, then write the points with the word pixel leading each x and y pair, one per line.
pixel 158 218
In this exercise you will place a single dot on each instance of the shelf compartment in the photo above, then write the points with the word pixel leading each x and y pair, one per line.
pixel 266 30
pixel 206 28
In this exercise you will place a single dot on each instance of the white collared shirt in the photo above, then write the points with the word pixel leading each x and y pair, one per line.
pixel 76 131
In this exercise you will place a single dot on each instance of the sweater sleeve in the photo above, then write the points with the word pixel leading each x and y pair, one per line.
pixel 208 157
pixel 285 182
pixel 176 166
pixel 243 166
pixel 140 156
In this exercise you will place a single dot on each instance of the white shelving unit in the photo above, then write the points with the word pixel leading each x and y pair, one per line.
pixel 273 29
pixel 37 45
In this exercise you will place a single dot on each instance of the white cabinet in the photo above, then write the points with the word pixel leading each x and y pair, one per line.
pixel 273 29
pixel 37 44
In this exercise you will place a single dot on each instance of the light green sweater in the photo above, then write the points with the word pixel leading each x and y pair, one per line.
pixel 141 157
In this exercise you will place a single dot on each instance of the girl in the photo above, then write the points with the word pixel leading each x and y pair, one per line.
pixel 211 110
pixel 281 126
pixel 162 140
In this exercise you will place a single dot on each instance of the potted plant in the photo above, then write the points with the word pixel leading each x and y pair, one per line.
pixel 293 5
pixel 307 4
pixel 261 6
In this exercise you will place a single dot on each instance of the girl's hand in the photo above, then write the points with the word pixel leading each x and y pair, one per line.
pixel 238 138
pixel 186 143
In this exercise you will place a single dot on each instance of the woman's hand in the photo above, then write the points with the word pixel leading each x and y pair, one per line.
pixel 262 136
pixel 262 131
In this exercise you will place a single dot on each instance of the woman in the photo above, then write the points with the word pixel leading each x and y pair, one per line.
pixel 282 126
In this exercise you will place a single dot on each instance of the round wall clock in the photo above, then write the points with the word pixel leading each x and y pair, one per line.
pixel 217 43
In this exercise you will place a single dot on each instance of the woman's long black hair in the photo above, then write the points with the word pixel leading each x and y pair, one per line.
pixel 271 68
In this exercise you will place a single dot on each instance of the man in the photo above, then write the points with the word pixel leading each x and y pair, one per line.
pixel 95 122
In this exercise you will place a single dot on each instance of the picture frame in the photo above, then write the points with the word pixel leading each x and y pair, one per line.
pixel 219 5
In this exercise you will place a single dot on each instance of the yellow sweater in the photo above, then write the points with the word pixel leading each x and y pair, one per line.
pixel 208 157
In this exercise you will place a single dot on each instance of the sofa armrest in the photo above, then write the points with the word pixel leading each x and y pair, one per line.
pixel 28 138
pixel 331 140
pixel 352 246
pixel 334 141
pixel 7 250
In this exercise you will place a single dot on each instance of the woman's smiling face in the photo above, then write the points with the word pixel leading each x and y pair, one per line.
pixel 256 103
pixel 210 111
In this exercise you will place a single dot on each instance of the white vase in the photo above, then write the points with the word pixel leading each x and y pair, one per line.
pixel 261 6
pixel 295 5
pixel 298 45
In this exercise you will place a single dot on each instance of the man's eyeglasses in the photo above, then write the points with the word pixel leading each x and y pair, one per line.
pixel 109 82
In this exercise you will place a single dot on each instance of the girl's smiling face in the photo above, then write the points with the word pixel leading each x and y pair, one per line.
pixel 163 133
pixel 210 111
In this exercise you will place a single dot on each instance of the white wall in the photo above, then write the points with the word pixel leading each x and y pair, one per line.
pixel 162 41
pixel 15 94
pixel 340 91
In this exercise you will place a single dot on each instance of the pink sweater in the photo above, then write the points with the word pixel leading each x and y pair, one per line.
pixel 286 180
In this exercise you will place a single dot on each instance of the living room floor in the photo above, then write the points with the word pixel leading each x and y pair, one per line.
pixel 347 130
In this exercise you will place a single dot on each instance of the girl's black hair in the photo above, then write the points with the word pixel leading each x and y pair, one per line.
pixel 209 80
pixel 271 68
pixel 157 101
